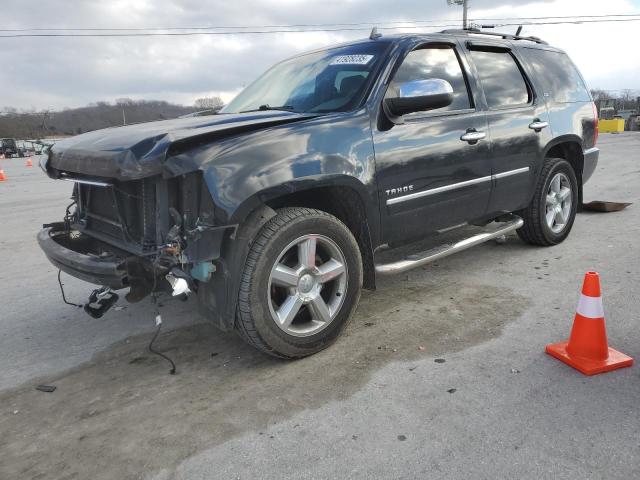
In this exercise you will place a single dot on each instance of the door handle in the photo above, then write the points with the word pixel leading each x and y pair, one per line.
pixel 472 136
pixel 537 125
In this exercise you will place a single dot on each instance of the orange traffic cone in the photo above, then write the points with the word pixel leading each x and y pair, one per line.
pixel 587 349
pixel 2 176
pixel 29 162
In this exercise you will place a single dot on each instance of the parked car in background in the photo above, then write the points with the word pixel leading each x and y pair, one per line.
pixel 8 147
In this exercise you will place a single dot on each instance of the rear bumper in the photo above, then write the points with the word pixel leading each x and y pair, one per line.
pixel 79 258
pixel 590 162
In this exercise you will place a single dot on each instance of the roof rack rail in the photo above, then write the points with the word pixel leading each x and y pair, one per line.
pixel 506 36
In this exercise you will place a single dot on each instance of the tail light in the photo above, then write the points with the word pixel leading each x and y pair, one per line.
pixel 596 129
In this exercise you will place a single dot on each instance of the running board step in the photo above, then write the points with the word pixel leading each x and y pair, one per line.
pixel 512 223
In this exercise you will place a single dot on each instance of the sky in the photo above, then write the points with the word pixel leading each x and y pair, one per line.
pixel 55 73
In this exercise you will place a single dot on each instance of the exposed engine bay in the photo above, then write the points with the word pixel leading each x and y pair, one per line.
pixel 150 235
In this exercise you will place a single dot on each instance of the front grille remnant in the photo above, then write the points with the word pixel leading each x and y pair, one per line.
pixel 123 212
pixel 148 209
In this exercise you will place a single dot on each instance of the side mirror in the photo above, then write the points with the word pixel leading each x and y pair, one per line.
pixel 419 96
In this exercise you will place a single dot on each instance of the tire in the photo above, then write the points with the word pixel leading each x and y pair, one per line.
pixel 267 289
pixel 541 225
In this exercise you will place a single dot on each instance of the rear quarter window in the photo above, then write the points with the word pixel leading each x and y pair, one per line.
pixel 558 76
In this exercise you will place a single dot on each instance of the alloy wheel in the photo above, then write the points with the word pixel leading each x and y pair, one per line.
pixel 558 203
pixel 307 285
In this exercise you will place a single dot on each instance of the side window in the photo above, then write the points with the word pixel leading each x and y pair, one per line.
pixel 559 76
pixel 434 62
pixel 501 79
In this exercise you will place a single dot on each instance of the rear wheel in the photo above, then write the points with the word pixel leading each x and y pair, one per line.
pixel 550 215
pixel 300 284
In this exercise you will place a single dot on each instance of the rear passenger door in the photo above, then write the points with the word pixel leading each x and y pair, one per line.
pixel 518 124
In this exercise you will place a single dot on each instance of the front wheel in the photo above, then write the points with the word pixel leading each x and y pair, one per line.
pixel 300 285
pixel 550 215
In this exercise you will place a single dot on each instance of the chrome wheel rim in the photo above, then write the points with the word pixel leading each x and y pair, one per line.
pixel 558 203
pixel 307 285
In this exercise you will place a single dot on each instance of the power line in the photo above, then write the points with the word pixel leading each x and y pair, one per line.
pixel 311 30
pixel 564 16
pixel 220 27
pixel 573 22
pixel 398 23
pixel 238 32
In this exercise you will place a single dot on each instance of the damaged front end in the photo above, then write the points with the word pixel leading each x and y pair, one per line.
pixel 143 216
pixel 149 235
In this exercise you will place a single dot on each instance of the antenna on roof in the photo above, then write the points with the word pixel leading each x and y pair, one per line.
pixel 374 34
pixel 519 31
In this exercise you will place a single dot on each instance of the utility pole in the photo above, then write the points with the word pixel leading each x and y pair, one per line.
pixel 464 13
pixel 465 6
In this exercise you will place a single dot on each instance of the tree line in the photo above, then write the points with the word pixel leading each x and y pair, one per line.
pixel 619 99
pixel 74 121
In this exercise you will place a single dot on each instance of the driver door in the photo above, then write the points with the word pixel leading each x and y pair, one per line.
pixel 429 178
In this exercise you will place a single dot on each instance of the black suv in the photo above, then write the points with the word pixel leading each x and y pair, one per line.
pixel 274 211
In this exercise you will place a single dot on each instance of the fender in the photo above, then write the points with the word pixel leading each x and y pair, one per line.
pixel 554 142
pixel 313 182
pixel 576 159
pixel 341 195
pixel 243 172
pixel 569 138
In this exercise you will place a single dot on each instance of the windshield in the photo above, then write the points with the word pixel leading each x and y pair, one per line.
pixel 333 80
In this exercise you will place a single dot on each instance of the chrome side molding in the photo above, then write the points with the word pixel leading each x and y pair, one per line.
pixel 510 172
pixel 433 191
pixel 86 182
pixel 454 186
pixel 417 260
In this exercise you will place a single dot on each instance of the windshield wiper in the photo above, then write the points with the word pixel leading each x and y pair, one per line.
pixel 285 108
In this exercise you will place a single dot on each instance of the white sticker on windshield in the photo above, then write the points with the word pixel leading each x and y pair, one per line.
pixel 351 60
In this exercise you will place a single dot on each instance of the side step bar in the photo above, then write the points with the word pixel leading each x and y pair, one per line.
pixel 413 261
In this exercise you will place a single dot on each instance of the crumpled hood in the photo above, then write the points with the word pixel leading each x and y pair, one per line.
pixel 140 150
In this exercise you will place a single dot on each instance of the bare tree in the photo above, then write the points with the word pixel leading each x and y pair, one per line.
pixel 124 101
pixel 598 94
pixel 208 103
pixel 626 97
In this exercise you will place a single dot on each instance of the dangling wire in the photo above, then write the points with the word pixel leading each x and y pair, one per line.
pixel 156 352
pixel 158 317
pixel 64 299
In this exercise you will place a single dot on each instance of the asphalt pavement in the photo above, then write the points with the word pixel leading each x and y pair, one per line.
pixel 441 373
